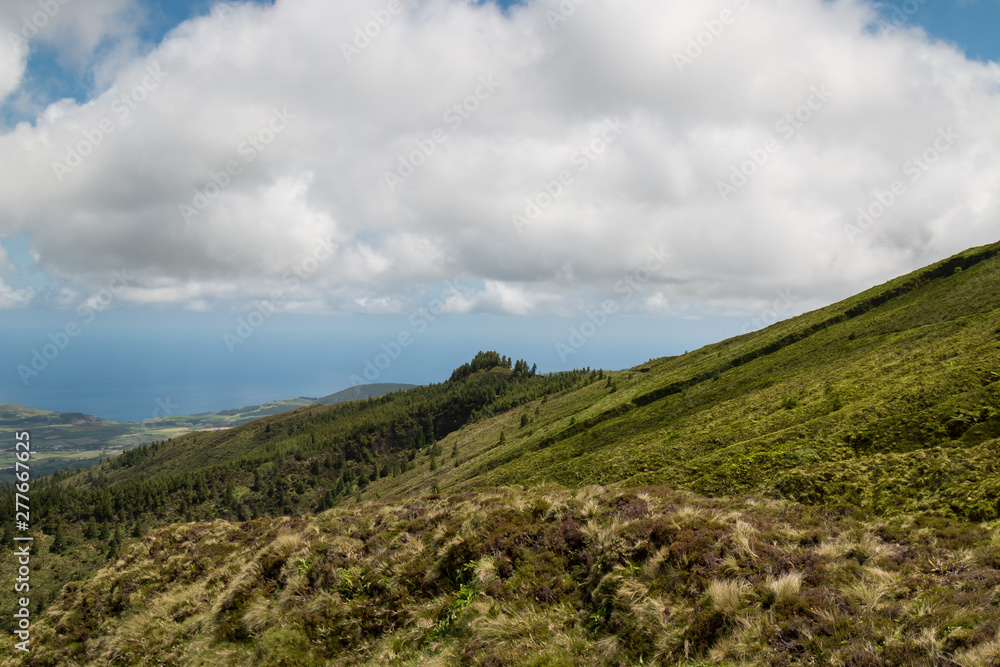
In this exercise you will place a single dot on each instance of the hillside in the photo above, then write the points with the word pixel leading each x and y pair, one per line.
pixel 888 400
pixel 66 441
pixel 542 577
pixel 862 437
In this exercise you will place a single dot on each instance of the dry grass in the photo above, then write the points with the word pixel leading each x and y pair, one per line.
pixel 727 595
pixel 488 583
pixel 986 654
pixel 743 532
pixel 786 587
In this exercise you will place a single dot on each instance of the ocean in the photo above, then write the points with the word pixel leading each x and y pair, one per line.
pixel 135 365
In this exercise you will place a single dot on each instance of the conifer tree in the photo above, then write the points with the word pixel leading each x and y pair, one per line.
pixel 58 545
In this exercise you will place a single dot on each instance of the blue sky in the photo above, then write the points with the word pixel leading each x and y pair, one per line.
pixel 970 24
pixel 552 164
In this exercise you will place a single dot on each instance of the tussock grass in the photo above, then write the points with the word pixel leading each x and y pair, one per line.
pixel 653 576
pixel 727 595
pixel 786 587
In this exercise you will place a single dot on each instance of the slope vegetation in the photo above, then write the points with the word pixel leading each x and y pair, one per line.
pixel 859 444
pixel 544 577
pixel 887 401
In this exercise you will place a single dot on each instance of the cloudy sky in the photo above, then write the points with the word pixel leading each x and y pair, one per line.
pixel 673 159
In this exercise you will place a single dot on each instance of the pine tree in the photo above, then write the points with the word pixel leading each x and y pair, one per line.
pixel 58 545
pixel 116 543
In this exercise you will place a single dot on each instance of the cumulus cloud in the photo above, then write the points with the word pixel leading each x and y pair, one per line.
pixel 534 154
pixel 74 32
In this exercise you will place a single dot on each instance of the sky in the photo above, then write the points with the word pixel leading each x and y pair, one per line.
pixel 657 174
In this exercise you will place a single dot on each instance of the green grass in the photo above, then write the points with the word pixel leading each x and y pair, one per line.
pixel 895 409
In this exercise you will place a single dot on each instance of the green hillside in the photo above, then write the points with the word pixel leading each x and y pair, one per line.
pixel 862 439
pixel 66 441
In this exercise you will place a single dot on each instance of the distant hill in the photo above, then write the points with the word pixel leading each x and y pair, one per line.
pixel 19 416
pixel 363 391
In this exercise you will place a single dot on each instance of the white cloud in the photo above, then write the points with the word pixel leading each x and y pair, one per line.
pixel 11 297
pixel 320 181
pixel 75 30
pixel 13 61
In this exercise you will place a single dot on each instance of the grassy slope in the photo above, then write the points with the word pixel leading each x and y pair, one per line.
pixel 542 577
pixel 887 401
pixel 895 388
pixel 895 409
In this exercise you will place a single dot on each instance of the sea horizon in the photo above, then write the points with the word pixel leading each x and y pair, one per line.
pixel 179 363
